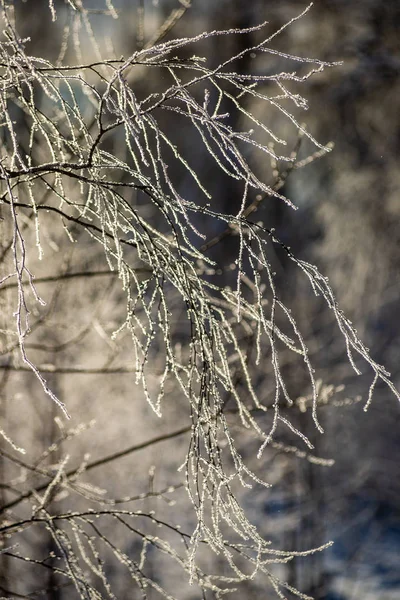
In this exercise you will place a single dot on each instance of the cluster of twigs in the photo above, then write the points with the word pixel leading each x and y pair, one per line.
pixel 60 161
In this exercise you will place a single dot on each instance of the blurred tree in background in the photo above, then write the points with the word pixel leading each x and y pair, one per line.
pixel 164 199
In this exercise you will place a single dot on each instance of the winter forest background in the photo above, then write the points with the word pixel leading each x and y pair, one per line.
pixel 116 453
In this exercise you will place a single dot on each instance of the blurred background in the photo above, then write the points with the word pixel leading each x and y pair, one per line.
pixel 347 223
